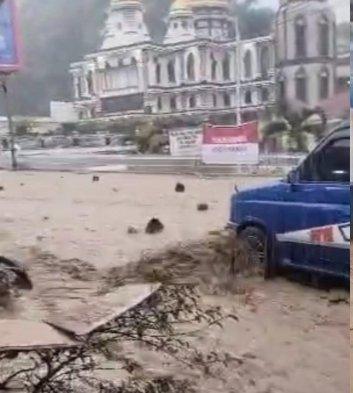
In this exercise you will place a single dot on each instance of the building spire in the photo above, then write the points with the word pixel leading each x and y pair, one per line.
pixel 125 24
pixel 180 23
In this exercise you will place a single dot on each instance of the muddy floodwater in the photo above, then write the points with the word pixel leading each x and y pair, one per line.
pixel 72 234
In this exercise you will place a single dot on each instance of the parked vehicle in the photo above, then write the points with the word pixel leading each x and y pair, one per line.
pixel 314 195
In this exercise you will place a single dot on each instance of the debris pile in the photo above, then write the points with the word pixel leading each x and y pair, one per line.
pixel 214 264
pixel 13 277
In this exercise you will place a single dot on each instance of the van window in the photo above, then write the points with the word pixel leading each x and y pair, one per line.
pixel 330 164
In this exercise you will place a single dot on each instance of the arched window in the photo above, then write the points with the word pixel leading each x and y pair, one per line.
pixel 214 97
pixel 300 37
pixel 226 67
pixel 281 88
pixel 158 73
pixel 89 79
pixel 301 85
pixel 173 105
pixel 171 71
pixel 324 84
pixel 159 103
pixel 214 66
pixel 265 61
pixel 324 36
pixel 78 83
pixel 248 64
pixel 192 102
pixel 248 97
pixel 191 67
pixel 226 99
pixel 265 95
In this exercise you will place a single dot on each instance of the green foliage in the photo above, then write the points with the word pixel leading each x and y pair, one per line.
pixel 23 127
pixel 68 128
pixel 144 135
pixel 295 126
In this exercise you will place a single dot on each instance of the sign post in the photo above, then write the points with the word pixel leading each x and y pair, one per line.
pixel 9 62
pixel 10 122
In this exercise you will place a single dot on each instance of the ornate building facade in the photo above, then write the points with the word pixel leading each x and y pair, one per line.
pixel 203 66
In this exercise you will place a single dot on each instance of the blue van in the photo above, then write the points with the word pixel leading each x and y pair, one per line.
pixel 314 195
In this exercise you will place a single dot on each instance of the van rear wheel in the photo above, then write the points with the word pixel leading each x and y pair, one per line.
pixel 256 240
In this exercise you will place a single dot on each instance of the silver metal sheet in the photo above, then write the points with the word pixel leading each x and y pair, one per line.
pixel 97 312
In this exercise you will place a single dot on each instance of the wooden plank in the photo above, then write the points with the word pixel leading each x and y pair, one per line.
pixel 97 312
pixel 20 335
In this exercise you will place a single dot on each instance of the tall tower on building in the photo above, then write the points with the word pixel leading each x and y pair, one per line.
pixel 213 19
pixel 181 25
pixel 125 24
pixel 306 52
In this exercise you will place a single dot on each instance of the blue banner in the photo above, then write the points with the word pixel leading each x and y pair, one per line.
pixel 9 51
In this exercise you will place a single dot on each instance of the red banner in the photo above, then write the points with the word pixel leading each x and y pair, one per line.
pixel 231 144
pixel 228 135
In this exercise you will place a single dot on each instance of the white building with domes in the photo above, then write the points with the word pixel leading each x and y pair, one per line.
pixel 203 66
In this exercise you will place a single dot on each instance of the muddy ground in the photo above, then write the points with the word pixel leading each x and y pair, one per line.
pixel 71 233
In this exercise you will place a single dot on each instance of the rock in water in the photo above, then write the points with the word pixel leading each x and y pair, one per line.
pixel 180 187
pixel 202 207
pixel 132 230
pixel 154 226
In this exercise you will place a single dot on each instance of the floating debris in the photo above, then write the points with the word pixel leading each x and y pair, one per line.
pixel 202 207
pixel 154 226
pixel 180 187
pixel 132 230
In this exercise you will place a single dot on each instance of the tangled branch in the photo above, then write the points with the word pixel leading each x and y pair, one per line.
pixel 161 323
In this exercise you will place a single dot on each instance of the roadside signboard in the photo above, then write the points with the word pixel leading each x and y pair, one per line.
pixel 9 37
pixel 185 142
pixel 231 144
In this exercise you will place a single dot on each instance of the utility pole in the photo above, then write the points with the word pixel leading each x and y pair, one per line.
pixel 10 121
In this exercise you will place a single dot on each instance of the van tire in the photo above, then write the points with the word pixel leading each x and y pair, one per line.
pixel 256 240
pixel 271 268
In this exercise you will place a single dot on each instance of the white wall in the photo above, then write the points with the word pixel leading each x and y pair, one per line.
pixel 63 112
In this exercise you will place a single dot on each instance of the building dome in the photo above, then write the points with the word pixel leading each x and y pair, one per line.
pixel 180 7
pixel 126 3
pixel 209 3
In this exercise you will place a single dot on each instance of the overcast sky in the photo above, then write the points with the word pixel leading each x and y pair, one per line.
pixel 341 7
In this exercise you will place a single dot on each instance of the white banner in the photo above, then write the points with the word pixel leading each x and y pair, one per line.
pixel 232 145
pixel 185 142
pixel 244 153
